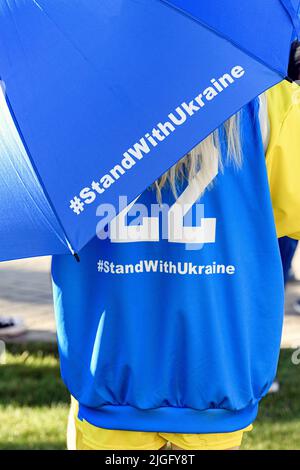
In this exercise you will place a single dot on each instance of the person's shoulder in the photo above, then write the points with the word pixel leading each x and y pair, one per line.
pixel 281 99
pixel 283 162
pixel 283 109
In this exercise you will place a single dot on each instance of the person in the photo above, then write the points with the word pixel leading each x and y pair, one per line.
pixel 169 328
pixel 288 245
pixel 294 63
pixel 294 73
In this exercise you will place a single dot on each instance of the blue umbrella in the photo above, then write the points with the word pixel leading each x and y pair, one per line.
pixel 99 98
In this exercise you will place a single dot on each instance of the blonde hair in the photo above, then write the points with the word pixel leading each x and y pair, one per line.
pixel 199 158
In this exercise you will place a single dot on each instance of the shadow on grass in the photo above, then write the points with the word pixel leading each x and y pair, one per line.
pixel 31 376
pixel 283 406
pixel 40 445
pixel 35 349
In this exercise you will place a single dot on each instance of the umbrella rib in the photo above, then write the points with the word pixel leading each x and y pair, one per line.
pixel 293 14
pixel 66 36
pixel 223 36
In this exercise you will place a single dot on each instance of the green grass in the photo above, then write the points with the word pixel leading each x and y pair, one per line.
pixel 34 403
pixel 33 400
pixel 278 423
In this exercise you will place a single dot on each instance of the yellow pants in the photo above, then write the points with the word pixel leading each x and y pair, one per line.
pixel 84 436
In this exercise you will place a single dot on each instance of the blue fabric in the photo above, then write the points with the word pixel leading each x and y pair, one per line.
pixel 238 27
pixel 155 340
pixel 169 419
pixel 28 225
pixel 85 81
pixel 287 248
pixel 292 8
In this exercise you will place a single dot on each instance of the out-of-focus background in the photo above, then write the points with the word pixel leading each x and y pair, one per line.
pixel 34 402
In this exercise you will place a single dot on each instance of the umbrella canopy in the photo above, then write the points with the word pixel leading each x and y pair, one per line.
pixel 99 98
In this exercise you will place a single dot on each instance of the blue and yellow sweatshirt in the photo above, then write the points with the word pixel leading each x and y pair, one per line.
pixel 160 331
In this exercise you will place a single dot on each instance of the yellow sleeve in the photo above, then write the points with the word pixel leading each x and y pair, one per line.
pixel 283 157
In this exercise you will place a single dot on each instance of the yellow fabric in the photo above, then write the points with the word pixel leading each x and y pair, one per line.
pixel 283 157
pixel 84 436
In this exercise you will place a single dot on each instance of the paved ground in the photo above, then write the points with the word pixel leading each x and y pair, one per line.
pixel 25 291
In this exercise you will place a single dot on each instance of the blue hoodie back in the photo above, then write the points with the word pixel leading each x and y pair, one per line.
pixel 159 334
